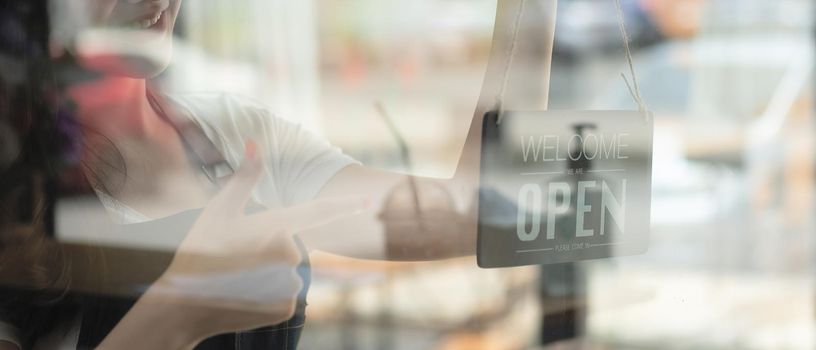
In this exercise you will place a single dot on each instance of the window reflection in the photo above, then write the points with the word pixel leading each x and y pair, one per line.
pixel 731 250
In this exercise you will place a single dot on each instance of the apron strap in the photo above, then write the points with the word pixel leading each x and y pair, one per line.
pixel 207 156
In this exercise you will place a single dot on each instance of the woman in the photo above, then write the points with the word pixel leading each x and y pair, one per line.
pixel 144 166
pixel 39 307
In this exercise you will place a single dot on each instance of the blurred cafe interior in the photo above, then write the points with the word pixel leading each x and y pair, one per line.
pixel 730 260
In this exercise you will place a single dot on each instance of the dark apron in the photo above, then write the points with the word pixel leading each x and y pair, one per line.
pixel 101 314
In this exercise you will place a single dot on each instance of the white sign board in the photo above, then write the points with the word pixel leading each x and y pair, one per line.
pixel 563 186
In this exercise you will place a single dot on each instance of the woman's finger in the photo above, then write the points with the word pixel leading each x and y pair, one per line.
pixel 234 196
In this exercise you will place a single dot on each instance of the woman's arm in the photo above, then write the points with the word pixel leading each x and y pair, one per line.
pixel 444 227
pixel 369 236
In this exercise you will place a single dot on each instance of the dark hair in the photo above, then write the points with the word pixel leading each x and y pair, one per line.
pixel 38 138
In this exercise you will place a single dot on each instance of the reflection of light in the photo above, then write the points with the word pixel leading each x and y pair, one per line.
pixel 681 192
pixel 149 45
pixel 697 309
pixel 789 90
pixel 683 209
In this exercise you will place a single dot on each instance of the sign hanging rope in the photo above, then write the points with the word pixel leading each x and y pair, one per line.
pixel 511 55
pixel 634 88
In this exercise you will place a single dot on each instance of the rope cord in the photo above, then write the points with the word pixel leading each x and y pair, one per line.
pixel 511 55
pixel 634 88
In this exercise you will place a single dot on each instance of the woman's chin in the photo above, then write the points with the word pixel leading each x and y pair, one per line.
pixel 134 54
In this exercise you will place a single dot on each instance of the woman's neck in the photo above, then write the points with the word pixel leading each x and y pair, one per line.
pixel 128 146
pixel 118 108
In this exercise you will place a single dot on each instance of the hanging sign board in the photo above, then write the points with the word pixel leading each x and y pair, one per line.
pixel 564 186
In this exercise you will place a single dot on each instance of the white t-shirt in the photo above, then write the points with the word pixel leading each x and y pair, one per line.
pixel 298 164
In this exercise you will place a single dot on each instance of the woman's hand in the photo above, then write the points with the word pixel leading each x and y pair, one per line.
pixel 233 271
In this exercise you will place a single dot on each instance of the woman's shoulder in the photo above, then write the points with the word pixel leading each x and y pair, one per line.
pixel 228 115
pixel 220 107
pixel 229 119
